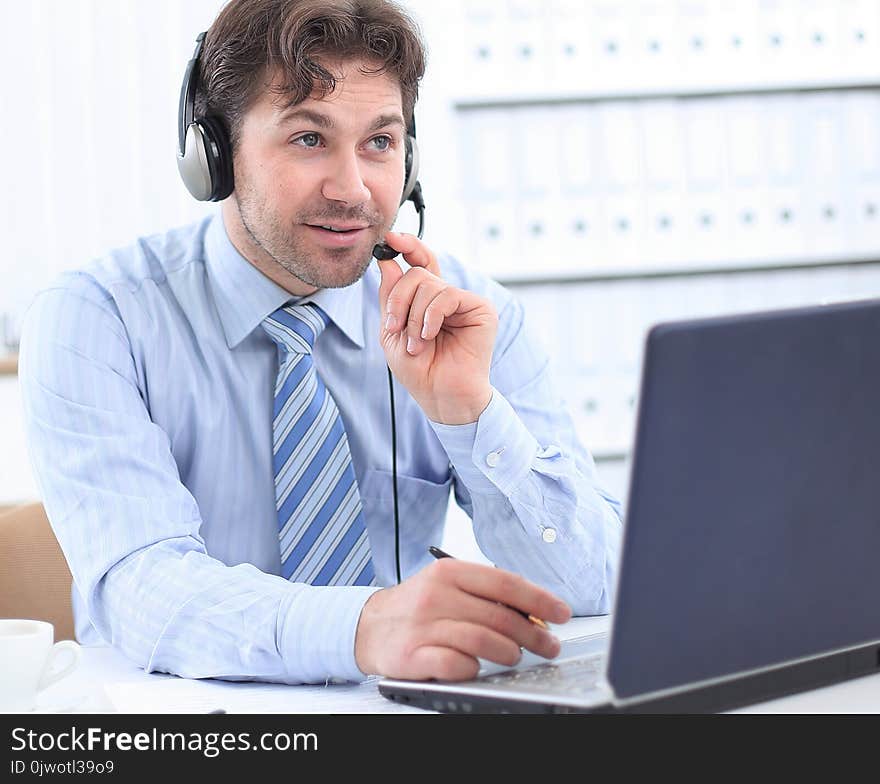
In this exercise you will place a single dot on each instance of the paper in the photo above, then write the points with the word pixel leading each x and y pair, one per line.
pixel 161 693
pixel 181 695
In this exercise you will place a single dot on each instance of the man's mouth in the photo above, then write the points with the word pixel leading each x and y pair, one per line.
pixel 338 228
pixel 337 234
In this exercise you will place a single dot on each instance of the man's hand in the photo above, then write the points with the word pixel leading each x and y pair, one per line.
pixel 437 623
pixel 438 339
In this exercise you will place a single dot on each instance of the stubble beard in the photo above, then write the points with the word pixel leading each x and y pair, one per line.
pixel 335 267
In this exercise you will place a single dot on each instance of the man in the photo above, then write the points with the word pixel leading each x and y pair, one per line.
pixel 208 411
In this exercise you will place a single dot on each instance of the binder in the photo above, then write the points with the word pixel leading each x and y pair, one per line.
pixel 591 318
pixel 820 48
pixel 860 117
pixel 623 229
pixel 735 43
pixel 863 203
pixel 652 51
pixel 860 112
pixel 489 189
pixel 660 131
pixel 526 50
pixel 785 238
pixel 543 323
pixel 665 241
pixel 860 35
pixel 582 242
pixel 570 51
pixel 610 31
pixel 822 144
pixel 579 204
pixel 539 247
pixel 486 143
pixel 703 134
pixel 577 158
pixel 780 53
pixel 617 399
pixel 493 238
pixel 705 218
pixel 481 54
pixel 587 411
pixel 663 152
pixel 533 151
pixel 748 216
pixel 698 43
pixel 537 173
pixel 619 145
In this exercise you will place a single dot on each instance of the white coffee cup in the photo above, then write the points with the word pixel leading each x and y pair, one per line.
pixel 28 662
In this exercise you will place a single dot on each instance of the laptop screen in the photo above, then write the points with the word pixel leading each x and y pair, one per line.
pixel 754 505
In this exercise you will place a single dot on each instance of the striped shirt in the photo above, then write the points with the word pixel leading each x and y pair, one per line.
pixel 148 394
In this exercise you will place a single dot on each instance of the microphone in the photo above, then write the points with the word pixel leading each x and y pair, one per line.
pixel 383 252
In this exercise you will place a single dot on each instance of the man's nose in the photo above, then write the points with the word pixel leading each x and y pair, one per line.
pixel 345 181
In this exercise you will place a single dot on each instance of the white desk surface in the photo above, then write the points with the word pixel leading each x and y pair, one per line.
pixel 107 682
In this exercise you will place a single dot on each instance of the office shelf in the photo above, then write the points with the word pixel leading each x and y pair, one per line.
pixel 658 93
pixel 719 186
pixel 656 272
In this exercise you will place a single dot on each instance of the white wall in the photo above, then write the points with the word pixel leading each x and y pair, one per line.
pixel 88 133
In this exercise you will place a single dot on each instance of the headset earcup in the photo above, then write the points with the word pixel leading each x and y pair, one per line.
pixel 219 157
pixel 193 165
pixel 411 167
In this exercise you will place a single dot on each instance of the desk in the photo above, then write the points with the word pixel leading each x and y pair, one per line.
pixel 107 682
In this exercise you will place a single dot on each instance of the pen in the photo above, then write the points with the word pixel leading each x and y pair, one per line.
pixel 438 553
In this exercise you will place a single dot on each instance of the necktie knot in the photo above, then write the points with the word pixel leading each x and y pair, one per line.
pixel 296 327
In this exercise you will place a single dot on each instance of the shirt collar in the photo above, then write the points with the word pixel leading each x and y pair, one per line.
pixel 245 296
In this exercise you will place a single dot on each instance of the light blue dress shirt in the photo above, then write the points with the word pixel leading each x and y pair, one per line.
pixel 148 390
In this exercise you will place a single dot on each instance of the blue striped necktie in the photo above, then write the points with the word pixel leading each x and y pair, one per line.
pixel 321 523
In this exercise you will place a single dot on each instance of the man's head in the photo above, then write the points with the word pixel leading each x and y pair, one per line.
pixel 316 95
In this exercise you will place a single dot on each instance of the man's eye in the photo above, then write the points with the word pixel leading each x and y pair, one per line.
pixel 381 143
pixel 308 140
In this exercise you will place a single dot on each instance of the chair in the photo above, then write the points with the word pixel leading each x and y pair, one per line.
pixel 35 581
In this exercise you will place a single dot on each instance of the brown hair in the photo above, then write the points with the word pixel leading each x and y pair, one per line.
pixel 249 38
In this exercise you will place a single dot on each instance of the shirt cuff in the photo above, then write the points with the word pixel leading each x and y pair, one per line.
pixel 493 454
pixel 316 640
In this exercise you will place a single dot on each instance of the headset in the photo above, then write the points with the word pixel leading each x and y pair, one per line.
pixel 204 160
pixel 204 154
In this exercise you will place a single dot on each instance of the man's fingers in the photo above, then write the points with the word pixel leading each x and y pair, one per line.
pixel 397 289
pixel 475 640
pixel 442 663
pixel 414 251
pixel 508 623
pixel 425 293
pixel 438 623
pixel 506 587
pixel 402 297
pixel 391 274
pixel 447 302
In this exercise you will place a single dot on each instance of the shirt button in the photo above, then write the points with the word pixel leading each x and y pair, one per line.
pixel 549 535
pixel 493 458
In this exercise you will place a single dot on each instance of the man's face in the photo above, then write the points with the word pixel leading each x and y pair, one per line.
pixel 318 183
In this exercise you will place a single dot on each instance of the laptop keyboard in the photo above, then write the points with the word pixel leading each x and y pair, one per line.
pixel 570 677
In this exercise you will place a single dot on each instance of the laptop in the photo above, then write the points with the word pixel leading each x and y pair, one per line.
pixel 750 562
